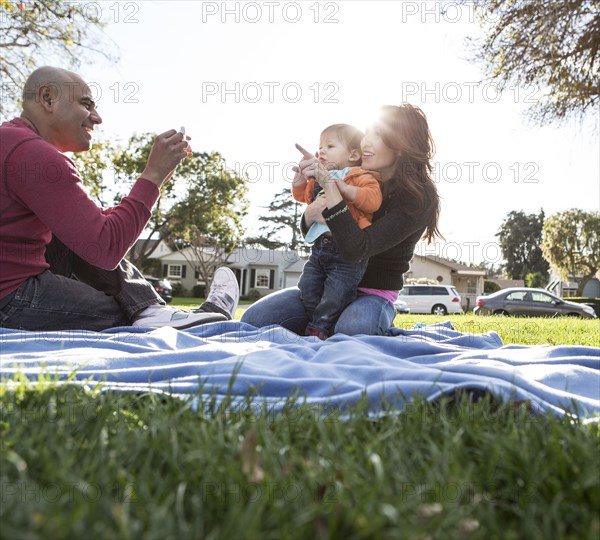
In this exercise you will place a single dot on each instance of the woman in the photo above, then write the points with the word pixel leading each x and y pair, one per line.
pixel 399 147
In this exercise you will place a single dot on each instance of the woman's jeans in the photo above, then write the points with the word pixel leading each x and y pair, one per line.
pixel 328 284
pixel 368 314
pixel 95 300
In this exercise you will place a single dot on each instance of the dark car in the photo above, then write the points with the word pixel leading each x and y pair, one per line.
pixel 530 303
pixel 162 287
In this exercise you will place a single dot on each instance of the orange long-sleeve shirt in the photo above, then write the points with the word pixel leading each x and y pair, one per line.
pixel 368 196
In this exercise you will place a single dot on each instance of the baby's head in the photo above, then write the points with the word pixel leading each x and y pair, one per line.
pixel 339 147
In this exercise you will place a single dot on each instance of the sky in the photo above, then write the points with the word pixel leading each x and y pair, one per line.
pixel 250 79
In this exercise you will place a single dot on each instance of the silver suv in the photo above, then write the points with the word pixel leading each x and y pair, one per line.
pixel 436 299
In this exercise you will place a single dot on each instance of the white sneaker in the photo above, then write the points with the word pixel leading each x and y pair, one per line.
pixel 157 316
pixel 224 291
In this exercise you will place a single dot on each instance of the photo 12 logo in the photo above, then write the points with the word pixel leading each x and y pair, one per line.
pixel 270 12
pixel 269 92
pixel 88 12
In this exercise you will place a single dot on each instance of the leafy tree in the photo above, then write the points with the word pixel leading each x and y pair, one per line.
pixel 282 216
pixel 535 280
pixel 205 225
pixel 200 208
pixel 550 45
pixel 34 31
pixel 520 241
pixel 571 244
pixel 128 163
pixel 92 166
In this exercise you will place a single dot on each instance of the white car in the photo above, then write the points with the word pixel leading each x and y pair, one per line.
pixel 401 306
pixel 436 299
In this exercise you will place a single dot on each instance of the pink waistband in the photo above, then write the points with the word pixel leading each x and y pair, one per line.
pixel 388 295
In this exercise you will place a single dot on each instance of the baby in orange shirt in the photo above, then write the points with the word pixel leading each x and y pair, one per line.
pixel 328 282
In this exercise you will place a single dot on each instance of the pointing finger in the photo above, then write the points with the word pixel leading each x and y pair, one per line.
pixel 305 153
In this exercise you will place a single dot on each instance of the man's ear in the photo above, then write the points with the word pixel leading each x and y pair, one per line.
pixel 48 96
pixel 354 155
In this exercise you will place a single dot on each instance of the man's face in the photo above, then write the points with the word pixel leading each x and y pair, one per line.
pixel 74 117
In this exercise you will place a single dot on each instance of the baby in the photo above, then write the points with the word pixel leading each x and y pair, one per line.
pixel 328 282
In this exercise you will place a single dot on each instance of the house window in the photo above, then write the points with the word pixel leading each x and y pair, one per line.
pixel 174 271
pixel 262 278
pixel 472 285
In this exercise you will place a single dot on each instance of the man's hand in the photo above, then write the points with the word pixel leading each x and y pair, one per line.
pixel 168 150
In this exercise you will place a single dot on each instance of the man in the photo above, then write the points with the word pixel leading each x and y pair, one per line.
pixel 61 257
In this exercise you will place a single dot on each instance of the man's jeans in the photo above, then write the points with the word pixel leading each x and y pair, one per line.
pixel 97 299
pixel 328 284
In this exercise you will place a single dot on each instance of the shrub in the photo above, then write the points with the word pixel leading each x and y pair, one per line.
pixel 199 291
pixel 490 286
pixel 253 295
pixel 178 288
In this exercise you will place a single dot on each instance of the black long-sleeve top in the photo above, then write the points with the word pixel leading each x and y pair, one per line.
pixel 389 242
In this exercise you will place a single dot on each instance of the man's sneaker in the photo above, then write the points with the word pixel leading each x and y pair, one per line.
pixel 224 293
pixel 157 316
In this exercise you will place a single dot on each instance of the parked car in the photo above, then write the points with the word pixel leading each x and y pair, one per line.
pixel 401 306
pixel 530 303
pixel 436 299
pixel 162 287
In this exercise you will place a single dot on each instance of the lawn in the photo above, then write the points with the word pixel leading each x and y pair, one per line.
pixel 91 465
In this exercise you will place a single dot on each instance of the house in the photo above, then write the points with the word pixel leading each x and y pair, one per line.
pixel 467 281
pixel 269 270
pixel 264 270
pixel 568 288
pixel 507 283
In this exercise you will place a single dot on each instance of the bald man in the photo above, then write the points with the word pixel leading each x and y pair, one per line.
pixel 62 260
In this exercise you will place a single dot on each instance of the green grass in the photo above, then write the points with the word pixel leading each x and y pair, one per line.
pixel 185 302
pixel 519 330
pixel 79 464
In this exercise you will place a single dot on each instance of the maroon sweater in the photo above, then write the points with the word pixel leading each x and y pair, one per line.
pixel 41 194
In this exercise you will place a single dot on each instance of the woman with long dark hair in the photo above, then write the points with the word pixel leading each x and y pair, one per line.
pixel 400 148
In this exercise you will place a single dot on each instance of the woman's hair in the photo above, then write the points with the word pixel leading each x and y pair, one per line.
pixel 348 135
pixel 404 129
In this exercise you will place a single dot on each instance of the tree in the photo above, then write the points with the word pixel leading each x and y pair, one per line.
pixel 552 46
pixel 205 225
pixel 128 163
pixel 536 280
pixel 92 166
pixel 283 215
pixel 200 207
pixel 571 244
pixel 34 31
pixel 520 241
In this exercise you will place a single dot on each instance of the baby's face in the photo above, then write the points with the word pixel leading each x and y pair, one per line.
pixel 333 154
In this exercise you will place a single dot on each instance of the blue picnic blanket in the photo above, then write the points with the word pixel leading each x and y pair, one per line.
pixel 234 360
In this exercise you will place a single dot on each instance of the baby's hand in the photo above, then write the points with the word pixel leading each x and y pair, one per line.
pixel 311 167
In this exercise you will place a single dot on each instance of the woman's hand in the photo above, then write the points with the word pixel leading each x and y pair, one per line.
pixel 314 211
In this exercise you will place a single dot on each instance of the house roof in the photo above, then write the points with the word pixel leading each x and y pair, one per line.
pixel 506 283
pixel 455 267
pixel 296 266
pixel 244 257
pixel 135 249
